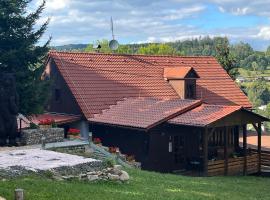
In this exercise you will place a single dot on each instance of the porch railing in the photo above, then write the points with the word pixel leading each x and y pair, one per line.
pixel 265 160
pixel 235 166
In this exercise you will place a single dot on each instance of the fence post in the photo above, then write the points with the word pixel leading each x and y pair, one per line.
pixel 19 194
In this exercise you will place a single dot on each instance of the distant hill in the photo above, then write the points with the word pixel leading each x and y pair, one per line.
pixel 70 47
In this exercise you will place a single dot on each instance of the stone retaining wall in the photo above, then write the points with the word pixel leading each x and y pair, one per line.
pixel 33 136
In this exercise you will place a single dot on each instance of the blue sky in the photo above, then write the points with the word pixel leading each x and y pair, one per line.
pixel 138 21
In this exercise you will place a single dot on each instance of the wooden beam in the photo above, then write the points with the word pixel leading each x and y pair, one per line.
pixel 205 152
pixel 259 146
pixel 226 150
pixel 255 127
pixel 245 149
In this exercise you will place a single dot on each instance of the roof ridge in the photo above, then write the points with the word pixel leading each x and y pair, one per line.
pixel 219 105
pixel 122 54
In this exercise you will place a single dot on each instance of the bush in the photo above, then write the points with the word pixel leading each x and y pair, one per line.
pixel 109 162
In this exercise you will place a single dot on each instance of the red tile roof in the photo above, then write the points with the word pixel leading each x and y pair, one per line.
pixel 177 72
pixel 204 115
pixel 100 80
pixel 144 112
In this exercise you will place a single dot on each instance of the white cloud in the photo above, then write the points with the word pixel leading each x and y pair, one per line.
pixel 243 7
pixel 174 14
pixel 54 4
pixel 264 33
pixel 84 21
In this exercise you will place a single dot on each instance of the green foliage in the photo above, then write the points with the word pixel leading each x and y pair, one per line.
pixel 258 93
pixel 33 126
pixel 241 51
pixel 225 58
pixel 157 49
pixel 54 124
pixel 48 174
pixel 268 51
pixel 195 47
pixel 20 55
pixel 109 162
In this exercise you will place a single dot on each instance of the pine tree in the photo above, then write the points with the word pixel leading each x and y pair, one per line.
pixel 20 54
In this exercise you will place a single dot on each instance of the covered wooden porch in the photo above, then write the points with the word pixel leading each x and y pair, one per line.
pixel 219 150
pixel 231 158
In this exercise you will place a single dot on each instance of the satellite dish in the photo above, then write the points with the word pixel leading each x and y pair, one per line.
pixel 113 44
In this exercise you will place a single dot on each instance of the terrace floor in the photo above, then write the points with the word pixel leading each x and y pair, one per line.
pixel 38 159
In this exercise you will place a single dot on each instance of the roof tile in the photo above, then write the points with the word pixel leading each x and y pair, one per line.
pixel 143 112
pixel 204 115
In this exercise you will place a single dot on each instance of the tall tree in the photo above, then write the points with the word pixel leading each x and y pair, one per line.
pixel 225 58
pixel 19 53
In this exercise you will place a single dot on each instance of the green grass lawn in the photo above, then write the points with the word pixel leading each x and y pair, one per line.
pixel 143 185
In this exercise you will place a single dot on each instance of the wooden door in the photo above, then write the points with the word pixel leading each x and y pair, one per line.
pixel 178 151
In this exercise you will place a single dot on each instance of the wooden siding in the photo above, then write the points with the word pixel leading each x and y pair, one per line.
pixel 235 166
pixel 66 102
pixel 129 141
pixel 179 87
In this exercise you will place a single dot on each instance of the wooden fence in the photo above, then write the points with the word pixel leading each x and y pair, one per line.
pixel 265 159
pixel 235 166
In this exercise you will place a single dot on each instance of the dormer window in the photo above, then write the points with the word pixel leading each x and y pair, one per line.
pixel 183 81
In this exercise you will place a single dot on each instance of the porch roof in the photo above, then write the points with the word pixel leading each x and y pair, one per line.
pixel 207 115
pixel 59 118
pixel 143 113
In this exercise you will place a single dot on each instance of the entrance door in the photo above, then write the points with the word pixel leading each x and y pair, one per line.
pixel 178 150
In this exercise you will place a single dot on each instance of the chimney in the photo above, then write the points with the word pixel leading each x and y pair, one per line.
pixel 183 81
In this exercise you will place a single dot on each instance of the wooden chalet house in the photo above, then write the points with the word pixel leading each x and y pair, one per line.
pixel 172 113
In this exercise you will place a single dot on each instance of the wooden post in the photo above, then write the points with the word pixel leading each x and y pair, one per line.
pixel 20 127
pixel 205 152
pixel 245 149
pixel 259 146
pixel 236 138
pixel 19 194
pixel 226 150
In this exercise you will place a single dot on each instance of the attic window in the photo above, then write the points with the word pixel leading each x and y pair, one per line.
pixel 190 90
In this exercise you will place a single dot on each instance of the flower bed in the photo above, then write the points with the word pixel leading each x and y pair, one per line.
pixel 74 133
pixel 97 141
pixel 47 123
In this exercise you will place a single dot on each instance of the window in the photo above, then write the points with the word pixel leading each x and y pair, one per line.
pixel 57 95
pixel 190 91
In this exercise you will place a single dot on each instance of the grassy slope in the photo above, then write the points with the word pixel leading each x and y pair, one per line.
pixel 143 185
